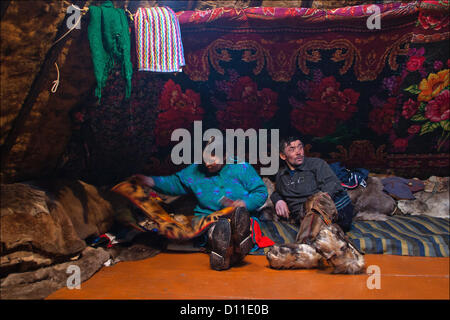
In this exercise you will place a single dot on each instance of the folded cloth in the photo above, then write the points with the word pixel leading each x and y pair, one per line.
pixel 257 237
pixel 158 40
pixel 109 40
pixel 350 179
pixel 401 188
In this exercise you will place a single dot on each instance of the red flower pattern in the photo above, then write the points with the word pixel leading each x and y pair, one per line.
pixel 415 128
pixel 433 20
pixel 313 120
pixel 177 110
pixel 328 106
pixel 410 108
pixel 381 119
pixel 415 63
pixel 400 144
pixel 247 107
pixel 439 108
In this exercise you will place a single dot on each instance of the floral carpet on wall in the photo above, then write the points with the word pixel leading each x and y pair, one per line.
pixel 372 98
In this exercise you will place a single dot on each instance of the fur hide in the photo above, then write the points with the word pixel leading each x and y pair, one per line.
pixel 293 256
pixel 437 184
pixel 427 203
pixel 371 202
pixel 318 236
pixel 143 246
pixel 35 231
pixel 41 283
pixel 267 211
pixel 332 244
pixel 90 209
pixel 43 228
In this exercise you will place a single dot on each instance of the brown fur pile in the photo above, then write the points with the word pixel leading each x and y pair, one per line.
pixel 332 244
pixel 40 283
pixel 43 228
pixel 293 256
pixel 371 202
pixel 434 204
pixel 318 238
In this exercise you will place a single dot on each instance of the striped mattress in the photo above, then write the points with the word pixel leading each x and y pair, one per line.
pixel 423 236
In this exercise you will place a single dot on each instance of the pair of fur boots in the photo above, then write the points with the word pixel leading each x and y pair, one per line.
pixel 318 240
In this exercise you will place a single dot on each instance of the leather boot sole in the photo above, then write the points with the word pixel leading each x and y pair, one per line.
pixel 221 246
pixel 241 235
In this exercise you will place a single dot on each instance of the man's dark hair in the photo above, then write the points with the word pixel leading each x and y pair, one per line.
pixel 284 142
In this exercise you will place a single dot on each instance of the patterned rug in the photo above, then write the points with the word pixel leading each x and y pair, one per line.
pixel 150 204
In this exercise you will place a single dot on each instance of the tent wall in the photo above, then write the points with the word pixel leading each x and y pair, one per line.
pixel 228 52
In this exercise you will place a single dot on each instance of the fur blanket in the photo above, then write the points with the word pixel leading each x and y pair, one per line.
pixel 44 225
pixel 40 283
pixel 433 204
pixel 371 202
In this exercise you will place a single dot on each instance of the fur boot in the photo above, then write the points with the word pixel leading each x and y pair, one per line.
pixel 293 256
pixel 318 238
pixel 332 244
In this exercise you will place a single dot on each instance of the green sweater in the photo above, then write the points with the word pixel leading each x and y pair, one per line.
pixel 237 181
pixel 109 39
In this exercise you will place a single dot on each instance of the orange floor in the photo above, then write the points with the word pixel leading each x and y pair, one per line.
pixel 188 276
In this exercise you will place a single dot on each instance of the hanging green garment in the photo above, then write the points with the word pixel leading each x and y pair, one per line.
pixel 109 39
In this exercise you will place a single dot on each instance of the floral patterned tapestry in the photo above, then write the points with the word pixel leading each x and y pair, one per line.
pixel 372 98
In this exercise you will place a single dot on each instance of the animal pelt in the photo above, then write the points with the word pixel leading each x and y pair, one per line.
pixel 294 256
pixel 318 232
pixel 320 210
pixel 371 202
pixel 40 283
pixel 330 245
pixel 267 210
pixel 437 184
pixel 142 246
pixel 36 231
pixel 333 245
pixel 434 204
pixel 90 209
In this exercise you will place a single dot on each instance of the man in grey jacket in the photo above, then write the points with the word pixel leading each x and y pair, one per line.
pixel 302 177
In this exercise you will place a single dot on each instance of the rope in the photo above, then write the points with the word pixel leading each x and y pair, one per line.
pixel 83 12
pixel 56 82
pixel 74 26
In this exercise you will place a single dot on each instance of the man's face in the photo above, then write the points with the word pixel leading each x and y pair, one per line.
pixel 293 154
pixel 213 164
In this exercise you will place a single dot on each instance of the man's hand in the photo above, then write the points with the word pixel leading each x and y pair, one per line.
pixel 282 209
pixel 239 203
pixel 144 180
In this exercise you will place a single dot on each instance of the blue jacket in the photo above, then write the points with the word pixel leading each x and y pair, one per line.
pixel 235 181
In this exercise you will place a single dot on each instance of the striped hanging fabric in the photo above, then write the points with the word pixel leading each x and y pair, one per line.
pixel 158 40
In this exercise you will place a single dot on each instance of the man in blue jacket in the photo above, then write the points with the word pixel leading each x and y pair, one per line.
pixel 212 181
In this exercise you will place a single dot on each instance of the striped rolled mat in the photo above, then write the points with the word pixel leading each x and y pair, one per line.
pixel 422 236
